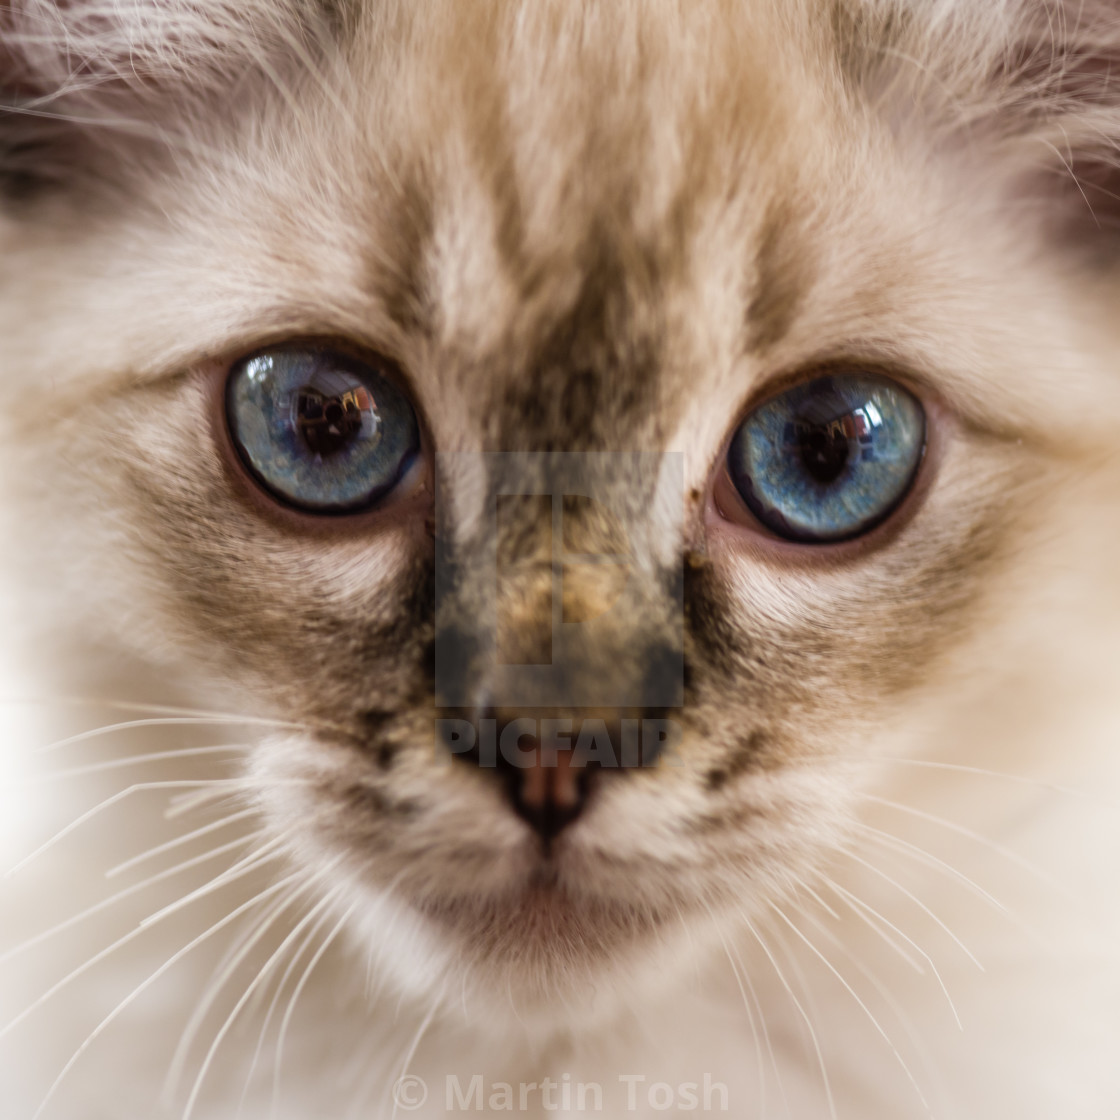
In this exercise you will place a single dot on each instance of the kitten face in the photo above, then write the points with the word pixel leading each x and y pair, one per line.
pixel 602 233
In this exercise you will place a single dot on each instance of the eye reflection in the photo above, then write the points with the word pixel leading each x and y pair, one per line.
pixel 331 410
pixel 829 432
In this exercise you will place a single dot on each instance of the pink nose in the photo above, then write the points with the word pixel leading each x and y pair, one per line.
pixel 551 779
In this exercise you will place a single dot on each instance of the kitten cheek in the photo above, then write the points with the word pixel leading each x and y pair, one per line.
pixel 730 524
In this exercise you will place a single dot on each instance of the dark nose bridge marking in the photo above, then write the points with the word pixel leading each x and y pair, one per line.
pixel 527 545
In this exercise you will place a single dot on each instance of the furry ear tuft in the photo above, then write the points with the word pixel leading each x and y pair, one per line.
pixel 86 84
pixel 1057 102
pixel 1032 84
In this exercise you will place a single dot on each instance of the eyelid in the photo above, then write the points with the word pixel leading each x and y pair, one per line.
pixel 920 385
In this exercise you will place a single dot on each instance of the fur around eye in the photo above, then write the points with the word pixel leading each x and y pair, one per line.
pixel 829 460
pixel 319 430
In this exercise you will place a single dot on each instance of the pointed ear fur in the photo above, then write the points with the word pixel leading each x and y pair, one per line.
pixel 1061 85
pixel 89 88
pixel 1031 85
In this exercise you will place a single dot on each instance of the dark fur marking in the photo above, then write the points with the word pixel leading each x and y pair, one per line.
pixel 782 277
pixel 404 236
pixel 747 757
pixel 591 384
pixel 713 639
pixel 369 800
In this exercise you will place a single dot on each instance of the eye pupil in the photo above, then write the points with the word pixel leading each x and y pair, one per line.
pixel 328 423
pixel 824 450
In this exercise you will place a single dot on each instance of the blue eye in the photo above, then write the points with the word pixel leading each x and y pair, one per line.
pixel 320 430
pixel 829 459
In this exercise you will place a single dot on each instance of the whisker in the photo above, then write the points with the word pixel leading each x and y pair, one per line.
pixel 266 852
pixel 819 901
pixel 183 803
pixel 750 1017
pixel 896 843
pixel 120 943
pixel 915 900
pixel 798 979
pixel 160 721
pixel 800 1010
pixel 289 1011
pixel 261 977
pixel 136 888
pixel 160 849
pixel 920 854
pixel 751 990
pixel 422 1030
pixel 166 966
pixel 859 906
pixel 979 771
pixel 151 709
pixel 904 1021
pixel 218 980
pixel 859 1001
pixel 980 838
pixel 292 965
pixel 115 799
pixel 131 760
pixel 187 802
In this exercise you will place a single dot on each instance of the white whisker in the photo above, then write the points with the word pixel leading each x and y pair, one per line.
pixel 289 1011
pixel 156 721
pixel 859 907
pixel 131 760
pixel 260 978
pixel 916 901
pixel 70 977
pixel 274 1003
pixel 115 799
pixel 800 1010
pixel 266 852
pixel 971 834
pixel 183 803
pixel 920 854
pixel 979 771
pixel 221 976
pixel 160 849
pixel 136 888
pixel 875 922
pixel 920 1048
pixel 819 901
pixel 188 802
pixel 750 1019
pixel 138 991
pixel 153 709
pixel 855 995
pixel 422 1030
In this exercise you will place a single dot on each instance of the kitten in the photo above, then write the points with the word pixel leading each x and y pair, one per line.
pixel 737 382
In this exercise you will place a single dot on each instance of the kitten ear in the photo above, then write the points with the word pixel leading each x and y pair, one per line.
pixel 1029 87
pixel 90 89
pixel 1057 99
pixel 61 83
